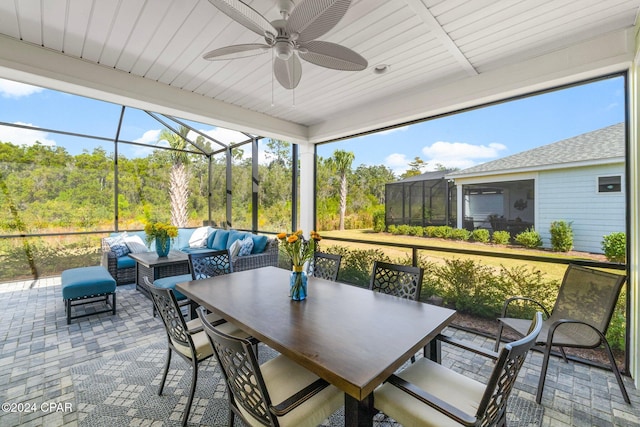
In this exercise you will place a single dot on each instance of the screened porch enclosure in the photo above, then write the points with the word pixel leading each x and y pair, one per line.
pixel 422 200
pixel 499 206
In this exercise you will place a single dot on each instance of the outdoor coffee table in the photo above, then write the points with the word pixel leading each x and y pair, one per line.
pixel 152 266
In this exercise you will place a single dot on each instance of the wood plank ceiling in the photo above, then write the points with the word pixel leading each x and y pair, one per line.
pixel 425 43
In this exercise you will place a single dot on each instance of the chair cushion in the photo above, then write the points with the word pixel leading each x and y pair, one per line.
pixel 458 390
pixel 86 281
pixel 125 262
pixel 171 282
pixel 220 240
pixel 259 244
pixel 284 378
pixel 195 250
pixel 195 325
pixel 246 245
pixel 201 343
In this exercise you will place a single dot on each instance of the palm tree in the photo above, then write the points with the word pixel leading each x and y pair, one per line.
pixel 178 178
pixel 341 163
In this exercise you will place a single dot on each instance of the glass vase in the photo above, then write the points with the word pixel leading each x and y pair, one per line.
pixel 162 247
pixel 298 284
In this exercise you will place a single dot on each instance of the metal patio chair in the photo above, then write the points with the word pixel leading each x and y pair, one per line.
pixel 305 400
pixel 325 266
pixel 580 317
pixel 403 281
pixel 428 394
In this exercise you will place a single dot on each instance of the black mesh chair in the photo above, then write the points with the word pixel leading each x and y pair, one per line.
pixel 325 266
pixel 580 317
pixel 428 394
pixel 193 347
pixel 403 281
pixel 305 399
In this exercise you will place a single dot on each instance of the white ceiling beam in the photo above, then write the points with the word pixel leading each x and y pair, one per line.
pixel 31 64
pixel 610 53
pixel 423 12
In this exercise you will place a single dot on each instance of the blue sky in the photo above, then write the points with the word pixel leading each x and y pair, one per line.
pixel 460 140
pixel 469 138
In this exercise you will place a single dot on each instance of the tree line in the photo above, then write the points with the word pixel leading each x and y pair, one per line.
pixel 46 189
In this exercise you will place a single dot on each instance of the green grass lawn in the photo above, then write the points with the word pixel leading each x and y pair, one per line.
pixel 553 270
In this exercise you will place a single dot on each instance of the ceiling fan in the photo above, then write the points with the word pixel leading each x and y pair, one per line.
pixel 291 36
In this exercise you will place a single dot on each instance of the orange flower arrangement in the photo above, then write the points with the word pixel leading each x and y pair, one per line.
pixel 298 249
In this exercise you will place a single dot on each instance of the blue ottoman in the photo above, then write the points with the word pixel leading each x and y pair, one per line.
pixel 87 285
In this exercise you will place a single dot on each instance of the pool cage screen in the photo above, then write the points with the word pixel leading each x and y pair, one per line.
pixel 423 200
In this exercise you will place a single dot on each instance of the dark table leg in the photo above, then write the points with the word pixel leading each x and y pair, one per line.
pixel 358 413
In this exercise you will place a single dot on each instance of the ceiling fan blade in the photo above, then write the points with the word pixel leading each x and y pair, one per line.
pixel 245 15
pixel 334 56
pixel 313 18
pixel 289 72
pixel 236 51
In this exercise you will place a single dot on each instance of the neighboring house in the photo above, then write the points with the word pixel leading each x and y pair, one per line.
pixel 579 180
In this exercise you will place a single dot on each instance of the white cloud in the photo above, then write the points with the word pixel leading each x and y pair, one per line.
pixel 10 89
pixel 397 162
pixel 149 137
pixel 20 136
pixel 459 154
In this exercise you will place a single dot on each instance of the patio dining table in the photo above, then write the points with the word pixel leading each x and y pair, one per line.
pixel 351 337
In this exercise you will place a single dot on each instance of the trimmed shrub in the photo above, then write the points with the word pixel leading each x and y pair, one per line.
pixel 561 236
pixel 430 231
pixel 480 235
pixel 460 234
pixel 416 230
pixel 404 229
pixel 614 246
pixel 442 231
pixel 379 220
pixel 501 237
pixel 529 239
pixel 393 229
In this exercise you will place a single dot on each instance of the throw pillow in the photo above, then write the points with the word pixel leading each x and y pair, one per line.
pixel 199 237
pixel 246 245
pixel 211 237
pixel 117 245
pixel 259 244
pixel 220 241
pixel 234 249
pixel 233 236
pixel 135 244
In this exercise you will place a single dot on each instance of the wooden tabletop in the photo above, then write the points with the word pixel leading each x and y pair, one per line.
pixel 350 336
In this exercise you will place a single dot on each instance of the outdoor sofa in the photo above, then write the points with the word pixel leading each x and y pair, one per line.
pixel 116 249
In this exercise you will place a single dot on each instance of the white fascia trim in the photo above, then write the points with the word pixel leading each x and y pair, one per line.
pixel 35 65
pixel 503 177
pixel 607 54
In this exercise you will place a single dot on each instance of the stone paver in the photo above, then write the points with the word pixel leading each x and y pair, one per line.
pixel 38 348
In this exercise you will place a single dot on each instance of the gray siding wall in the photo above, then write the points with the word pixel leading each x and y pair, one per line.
pixel 572 195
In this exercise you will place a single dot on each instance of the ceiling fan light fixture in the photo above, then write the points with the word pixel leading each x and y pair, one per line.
pixel 284 49
pixel 381 68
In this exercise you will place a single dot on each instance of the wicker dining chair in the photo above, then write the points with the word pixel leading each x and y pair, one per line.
pixel 305 399
pixel 580 317
pixel 325 266
pixel 193 347
pixel 403 281
pixel 429 394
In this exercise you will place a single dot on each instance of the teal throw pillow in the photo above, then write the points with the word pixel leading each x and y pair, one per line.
pixel 235 235
pixel 210 239
pixel 246 245
pixel 220 241
pixel 259 244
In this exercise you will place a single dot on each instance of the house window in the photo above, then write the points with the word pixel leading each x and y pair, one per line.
pixel 609 184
